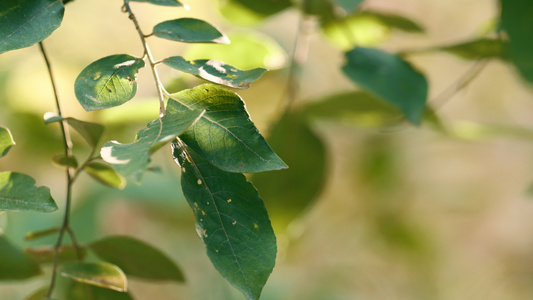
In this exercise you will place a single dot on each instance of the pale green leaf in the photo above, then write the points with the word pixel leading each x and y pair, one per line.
pixel 6 141
pixel 33 235
pixel 216 71
pixel 105 174
pixel 91 132
pixel 190 30
pixel 224 135
pixel 46 254
pixel 81 291
pixel 26 22
pixel 100 274
pixel 65 161
pixel 108 82
pixel 161 2
pixel 14 264
pixel 18 193
pixel 231 220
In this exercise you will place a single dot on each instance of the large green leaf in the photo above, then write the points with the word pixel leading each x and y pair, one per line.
pixel 161 2
pixel 26 22
pixel 80 291
pixel 108 82
pixel 516 20
pixel 288 193
pixel 106 175
pixel 389 77
pixel 14 264
pixel 231 220
pixel 216 71
pixel 133 159
pixel 224 135
pixel 18 193
pixel 91 132
pixel 101 274
pixel 6 141
pixel 190 30
pixel 137 258
pixel 348 5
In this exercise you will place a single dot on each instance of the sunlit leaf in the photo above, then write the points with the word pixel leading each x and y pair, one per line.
pixel 46 255
pixel 231 220
pixel 6 141
pixel 105 174
pixel 26 22
pixel 133 159
pixel 161 2
pixel 348 5
pixel 190 30
pixel 224 135
pixel 108 82
pixel 91 132
pixel 14 264
pixel 101 274
pixel 216 71
pixel 81 291
pixel 477 49
pixel 18 193
pixel 389 77
pixel 137 258
pixel 288 193
pixel 30 236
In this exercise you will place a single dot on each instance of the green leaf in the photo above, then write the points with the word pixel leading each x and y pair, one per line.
pixel 108 82
pixel 91 132
pixel 14 264
pixel 216 71
pixel 288 193
pixel 101 274
pixel 65 161
pixel 137 258
pixel 105 175
pixel 39 294
pixel 477 49
pixel 395 21
pixel 231 220
pixel 80 291
pixel 132 159
pixel 161 2
pixel 265 7
pixel 18 193
pixel 26 22
pixel 190 30
pixel 517 22
pixel 30 236
pixel 6 141
pixel 224 135
pixel 348 5
pixel 46 255
pixel 389 77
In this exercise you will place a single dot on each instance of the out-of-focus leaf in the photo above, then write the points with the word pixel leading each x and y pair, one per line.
pixel 395 21
pixel 224 135
pixel 216 71
pixel 65 161
pixel 516 20
pixel 39 294
pixel 108 82
pixel 231 220
pixel 477 49
pixel 237 14
pixel 161 2
pixel 132 159
pixel 105 175
pixel 101 274
pixel 30 236
pixel 288 193
pixel 190 30
pixel 265 7
pixel 389 77
pixel 18 193
pixel 91 132
pixel 81 291
pixel 46 255
pixel 348 5
pixel 6 141
pixel 323 8
pixel 14 264
pixel 137 258
pixel 479 131
pixel 246 51
pixel 26 22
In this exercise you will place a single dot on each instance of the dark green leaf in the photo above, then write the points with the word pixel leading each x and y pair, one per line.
pixel 14 264
pixel 105 175
pixel 108 82
pixel 516 20
pixel 216 71
pixel 101 274
pixel 46 255
pixel 80 291
pixel 6 141
pixel 30 236
pixel 224 135
pixel 265 7
pixel 190 30
pixel 18 192
pixel 26 22
pixel 65 161
pixel 477 49
pixel 161 2
pixel 288 193
pixel 91 132
pixel 137 258
pixel 389 77
pixel 132 159
pixel 348 5
pixel 231 220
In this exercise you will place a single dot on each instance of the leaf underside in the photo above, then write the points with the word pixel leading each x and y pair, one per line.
pixel 18 193
pixel 190 30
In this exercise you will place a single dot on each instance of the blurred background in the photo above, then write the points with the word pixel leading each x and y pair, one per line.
pixel 372 208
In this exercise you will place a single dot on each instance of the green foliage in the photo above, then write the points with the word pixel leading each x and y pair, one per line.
pixel 105 174
pixel 161 2
pixel 80 291
pixel 348 5
pixel 19 193
pixel 14 264
pixel 190 30
pixel 478 49
pixel 6 141
pixel 103 275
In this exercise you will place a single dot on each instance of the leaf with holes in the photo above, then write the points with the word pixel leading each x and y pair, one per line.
pixel 26 22
pixel 389 77
pixel 18 193
pixel 190 30
pixel 101 274
pixel 108 82
pixel 106 175
pixel 161 2
pixel 6 141
pixel 231 220
pixel 216 71
pixel 136 258
pixel 224 135
pixel 14 264
pixel 133 159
